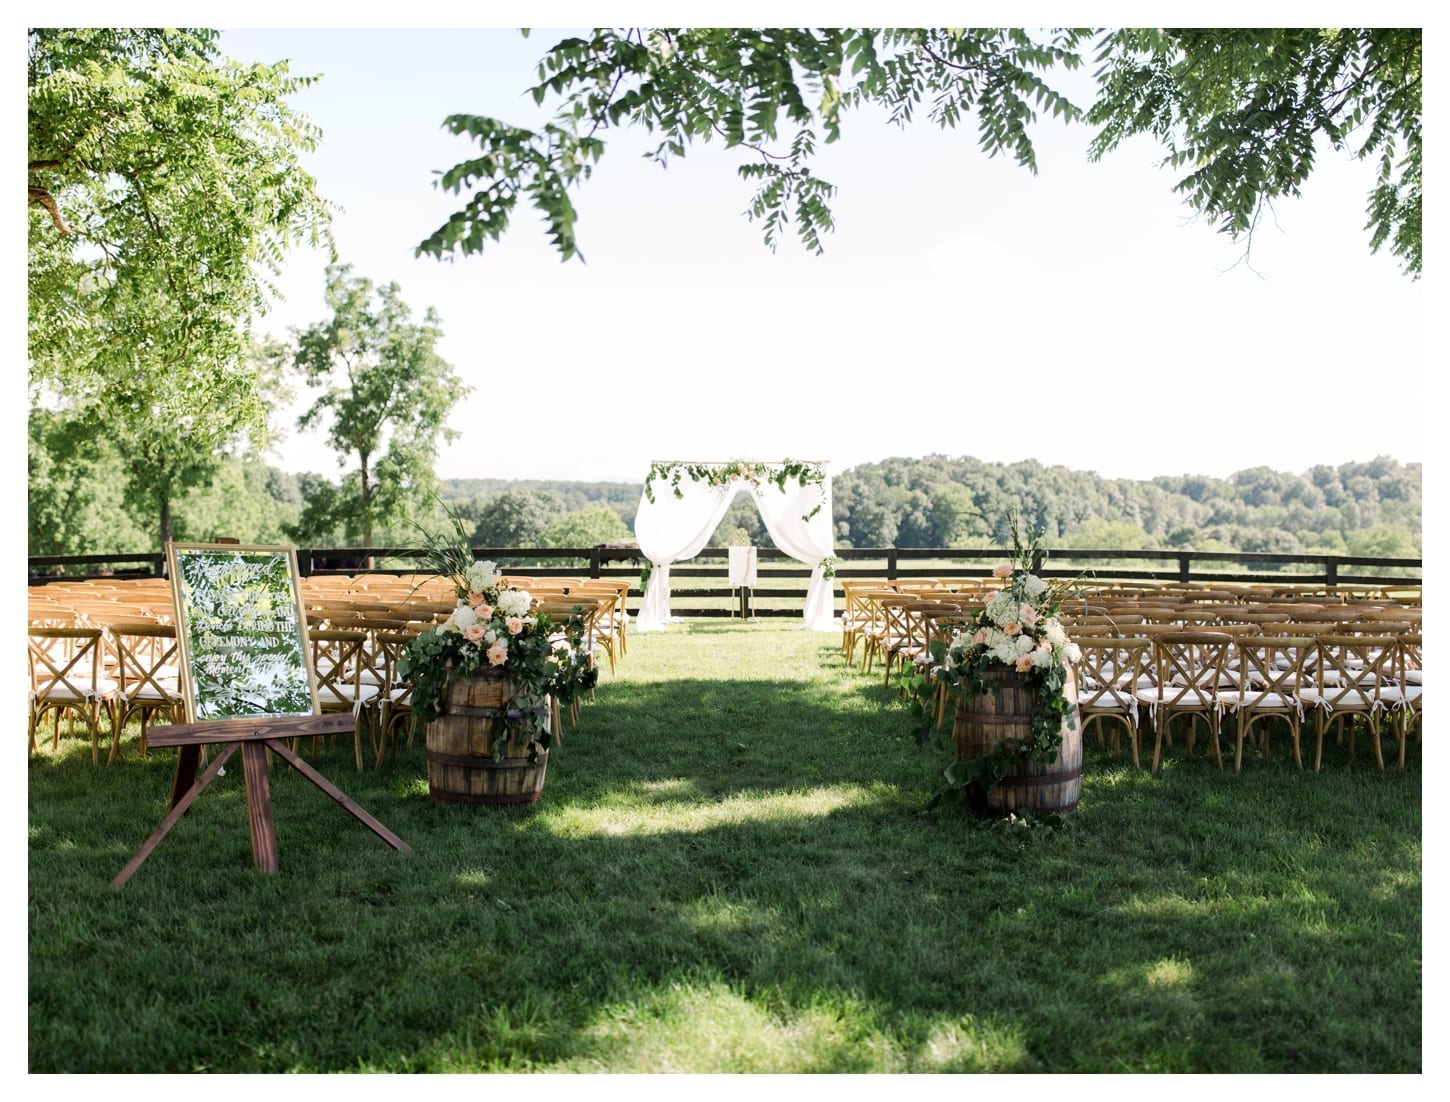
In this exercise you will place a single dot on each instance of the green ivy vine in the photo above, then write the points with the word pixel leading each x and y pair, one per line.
pixel 737 470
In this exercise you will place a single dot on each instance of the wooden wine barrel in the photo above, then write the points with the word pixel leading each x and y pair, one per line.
pixel 461 766
pixel 1006 712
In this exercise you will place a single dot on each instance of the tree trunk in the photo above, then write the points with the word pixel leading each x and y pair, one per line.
pixel 165 496
pixel 367 508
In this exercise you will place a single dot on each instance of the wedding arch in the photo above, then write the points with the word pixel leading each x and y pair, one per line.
pixel 683 504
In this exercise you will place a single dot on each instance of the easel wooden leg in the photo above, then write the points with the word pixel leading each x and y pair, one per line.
pixel 259 807
pixel 178 809
pixel 338 796
pixel 187 759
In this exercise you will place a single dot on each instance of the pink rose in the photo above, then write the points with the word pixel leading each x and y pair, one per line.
pixel 1024 662
pixel 1012 629
pixel 483 609
pixel 1002 571
pixel 474 600
pixel 498 653
pixel 514 624
pixel 474 631
pixel 980 639
pixel 1029 615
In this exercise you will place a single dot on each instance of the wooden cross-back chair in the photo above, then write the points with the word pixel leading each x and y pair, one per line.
pixel 1406 700
pixel 856 615
pixel 1355 680
pixel 1109 672
pixel 1188 674
pixel 395 696
pixel 348 680
pixel 1270 672
pixel 149 672
pixel 617 615
pixel 67 679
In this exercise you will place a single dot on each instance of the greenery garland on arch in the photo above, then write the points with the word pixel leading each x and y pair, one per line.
pixel 737 470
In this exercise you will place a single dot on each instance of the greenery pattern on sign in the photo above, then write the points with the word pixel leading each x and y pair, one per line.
pixel 738 470
pixel 244 641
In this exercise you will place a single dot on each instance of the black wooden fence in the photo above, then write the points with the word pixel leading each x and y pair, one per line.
pixel 700 586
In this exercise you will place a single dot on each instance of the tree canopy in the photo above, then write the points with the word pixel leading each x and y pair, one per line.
pixel 163 186
pixel 1241 112
pixel 385 397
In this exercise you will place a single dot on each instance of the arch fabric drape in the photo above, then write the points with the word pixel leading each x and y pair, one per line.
pixel 670 529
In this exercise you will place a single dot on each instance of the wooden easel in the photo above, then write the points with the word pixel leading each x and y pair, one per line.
pixel 255 737
pixel 250 705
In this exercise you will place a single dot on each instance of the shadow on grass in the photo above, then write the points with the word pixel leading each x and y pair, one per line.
pixel 731 876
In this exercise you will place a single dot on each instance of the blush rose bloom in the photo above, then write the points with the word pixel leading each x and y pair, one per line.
pixel 514 624
pixel 1002 571
pixel 473 632
pixel 1029 615
pixel 498 653
pixel 1024 663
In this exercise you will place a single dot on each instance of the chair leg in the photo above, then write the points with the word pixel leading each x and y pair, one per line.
pixel 1213 727
pixel 116 723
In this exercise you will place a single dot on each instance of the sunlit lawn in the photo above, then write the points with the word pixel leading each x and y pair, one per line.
pixel 731 871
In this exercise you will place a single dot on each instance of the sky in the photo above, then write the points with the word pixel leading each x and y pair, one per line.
pixel 1080 316
pixel 963 306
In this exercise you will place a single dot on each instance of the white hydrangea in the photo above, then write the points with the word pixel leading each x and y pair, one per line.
pixel 481 575
pixel 513 602
pixel 1072 652
pixel 1025 643
pixel 1033 586
pixel 463 618
pixel 1055 634
pixel 1003 648
pixel 1042 658
pixel 1002 609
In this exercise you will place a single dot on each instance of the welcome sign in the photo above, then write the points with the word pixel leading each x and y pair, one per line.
pixel 242 630
pixel 248 685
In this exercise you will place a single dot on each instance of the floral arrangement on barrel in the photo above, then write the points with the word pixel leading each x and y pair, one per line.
pixel 493 628
pixel 1017 630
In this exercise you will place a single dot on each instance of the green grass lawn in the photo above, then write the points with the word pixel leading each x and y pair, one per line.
pixel 731 871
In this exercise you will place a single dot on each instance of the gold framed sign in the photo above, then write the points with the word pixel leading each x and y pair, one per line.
pixel 242 631
pixel 247 677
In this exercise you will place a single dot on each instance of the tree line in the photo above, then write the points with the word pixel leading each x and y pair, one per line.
pixel 1357 508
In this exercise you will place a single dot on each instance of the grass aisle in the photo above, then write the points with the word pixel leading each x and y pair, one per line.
pixel 730 871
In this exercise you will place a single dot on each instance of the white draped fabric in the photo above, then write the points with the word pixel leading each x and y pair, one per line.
pixel 671 529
